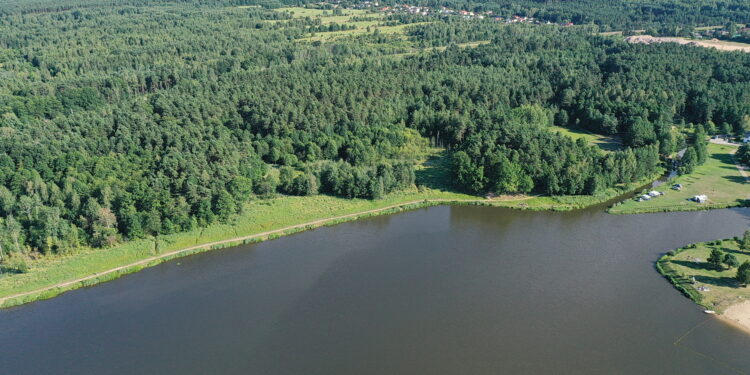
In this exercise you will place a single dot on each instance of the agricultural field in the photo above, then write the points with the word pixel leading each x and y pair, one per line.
pixel 718 178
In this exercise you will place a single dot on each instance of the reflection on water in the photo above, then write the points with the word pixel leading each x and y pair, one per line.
pixel 442 290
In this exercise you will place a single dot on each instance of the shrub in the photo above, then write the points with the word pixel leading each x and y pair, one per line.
pixel 15 264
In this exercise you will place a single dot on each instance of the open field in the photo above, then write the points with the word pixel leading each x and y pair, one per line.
pixel 361 29
pixel 714 43
pixel 608 144
pixel 327 16
pixel 718 178
pixel 346 17
pixel 713 288
pixel 460 45
pixel 617 33
pixel 300 12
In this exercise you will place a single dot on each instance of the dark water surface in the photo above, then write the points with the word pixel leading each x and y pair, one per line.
pixel 443 290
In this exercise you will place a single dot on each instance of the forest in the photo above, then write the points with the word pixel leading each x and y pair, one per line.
pixel 155 117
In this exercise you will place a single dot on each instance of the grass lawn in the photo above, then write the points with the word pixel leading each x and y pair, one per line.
pixel 608 144
pixel 690 262
pixel 718 178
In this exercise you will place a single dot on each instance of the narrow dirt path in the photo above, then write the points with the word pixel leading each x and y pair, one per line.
pixel 315 223
pixel 743 169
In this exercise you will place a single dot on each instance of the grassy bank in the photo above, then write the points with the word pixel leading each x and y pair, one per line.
pixel 718 178
pixel 688 270
pixel 260 220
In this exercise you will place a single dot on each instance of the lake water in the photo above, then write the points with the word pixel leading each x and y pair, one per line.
pixel 442 290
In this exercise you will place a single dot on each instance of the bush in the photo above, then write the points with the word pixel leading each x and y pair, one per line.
pixel 743 273
pixel 15 264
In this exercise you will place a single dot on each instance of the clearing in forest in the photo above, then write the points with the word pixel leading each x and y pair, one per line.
pixel 359 18
pixel 606 143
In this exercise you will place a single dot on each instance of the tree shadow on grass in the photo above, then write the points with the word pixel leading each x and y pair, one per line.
pixel 724 281
pixel 733 251
pixel 435 173
pixel 702 266
pixel 724 158
pixel 736 179
pixel 10 271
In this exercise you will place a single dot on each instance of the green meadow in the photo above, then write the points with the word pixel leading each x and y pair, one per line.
pixel 718 178
pixel 606 143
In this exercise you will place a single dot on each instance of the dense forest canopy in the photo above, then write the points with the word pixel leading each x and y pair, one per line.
pixel 145 118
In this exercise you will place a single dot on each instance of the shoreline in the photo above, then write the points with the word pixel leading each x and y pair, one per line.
pixel 737 315
pixel 98 277
pixel 133 264
pixel 101 265
pixel 54 290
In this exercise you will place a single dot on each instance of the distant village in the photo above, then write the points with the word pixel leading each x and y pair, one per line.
pixel 443 11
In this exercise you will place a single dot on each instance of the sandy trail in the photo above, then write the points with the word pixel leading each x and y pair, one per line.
pixel 713 43
pixel 743 171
